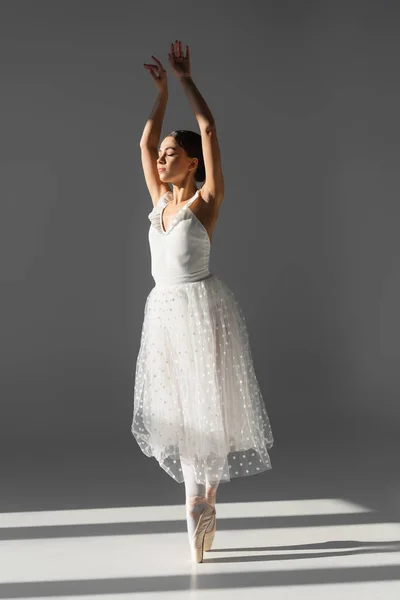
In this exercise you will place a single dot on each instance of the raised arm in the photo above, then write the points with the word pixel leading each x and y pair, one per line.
pixel 213 188
pixel 152 132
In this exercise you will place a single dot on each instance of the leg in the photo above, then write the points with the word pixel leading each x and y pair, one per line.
pixel 211 492
pixel 195 498
pixel 211 495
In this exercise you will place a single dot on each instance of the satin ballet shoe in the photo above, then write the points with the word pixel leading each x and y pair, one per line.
pixel 204 522
pixel 210 533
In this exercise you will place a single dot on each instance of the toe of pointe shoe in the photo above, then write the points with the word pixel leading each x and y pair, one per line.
pixel 197 546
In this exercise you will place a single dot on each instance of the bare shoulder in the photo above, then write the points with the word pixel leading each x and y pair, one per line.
pixel 212 199
pixel 206 208
pixel 159 193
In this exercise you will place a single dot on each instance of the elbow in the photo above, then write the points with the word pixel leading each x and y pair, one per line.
pixel 146 144
pixel 208 126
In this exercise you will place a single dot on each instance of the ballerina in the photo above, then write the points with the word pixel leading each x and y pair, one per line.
pixel 198 407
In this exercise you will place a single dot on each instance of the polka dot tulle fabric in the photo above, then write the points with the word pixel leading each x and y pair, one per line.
pixel 196 394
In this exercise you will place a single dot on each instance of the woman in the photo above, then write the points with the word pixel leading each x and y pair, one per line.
pixel 198 408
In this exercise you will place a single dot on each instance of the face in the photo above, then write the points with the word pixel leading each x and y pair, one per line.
pixel 175 162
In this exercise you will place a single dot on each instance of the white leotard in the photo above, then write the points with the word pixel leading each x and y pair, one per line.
pixel 182 253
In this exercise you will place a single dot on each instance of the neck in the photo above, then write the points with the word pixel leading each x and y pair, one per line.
pixel 182 194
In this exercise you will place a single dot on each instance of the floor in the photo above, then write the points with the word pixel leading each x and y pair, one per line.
pixel 108 522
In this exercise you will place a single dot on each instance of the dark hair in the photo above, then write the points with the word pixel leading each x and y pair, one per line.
pixel 190 141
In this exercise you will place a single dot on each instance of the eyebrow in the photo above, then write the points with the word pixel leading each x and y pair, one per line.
pixel 168 148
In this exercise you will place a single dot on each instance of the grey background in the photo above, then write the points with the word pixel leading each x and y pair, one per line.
pixel 306 100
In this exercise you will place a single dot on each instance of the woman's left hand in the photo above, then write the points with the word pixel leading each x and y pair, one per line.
pixel 180 64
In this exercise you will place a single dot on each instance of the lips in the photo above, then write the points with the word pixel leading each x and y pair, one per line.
pixel 161 170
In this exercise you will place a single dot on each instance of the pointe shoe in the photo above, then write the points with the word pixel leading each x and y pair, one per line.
pixel 209 535
pixel 204 522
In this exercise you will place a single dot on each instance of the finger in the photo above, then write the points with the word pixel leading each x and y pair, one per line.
pixel 180 48
pixel 176 48
pixel 151 73
pixel 151 70
pixel 156 59
pixel 187 52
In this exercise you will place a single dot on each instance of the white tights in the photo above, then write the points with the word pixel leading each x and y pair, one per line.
pixel 197 496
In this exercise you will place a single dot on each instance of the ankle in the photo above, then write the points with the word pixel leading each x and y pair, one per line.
pixel 192 501
pixel 195 504
pixel 211 496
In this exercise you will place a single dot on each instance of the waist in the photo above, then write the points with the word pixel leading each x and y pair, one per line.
pixel 167 280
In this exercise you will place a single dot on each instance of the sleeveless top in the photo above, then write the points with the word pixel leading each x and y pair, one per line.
pixel 181 254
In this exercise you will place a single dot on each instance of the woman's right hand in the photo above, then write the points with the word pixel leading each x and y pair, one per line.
pixel 159 74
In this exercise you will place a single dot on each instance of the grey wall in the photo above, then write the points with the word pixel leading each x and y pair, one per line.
pixel 306 101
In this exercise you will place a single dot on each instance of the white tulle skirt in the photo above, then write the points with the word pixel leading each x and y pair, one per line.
pixel 196 395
